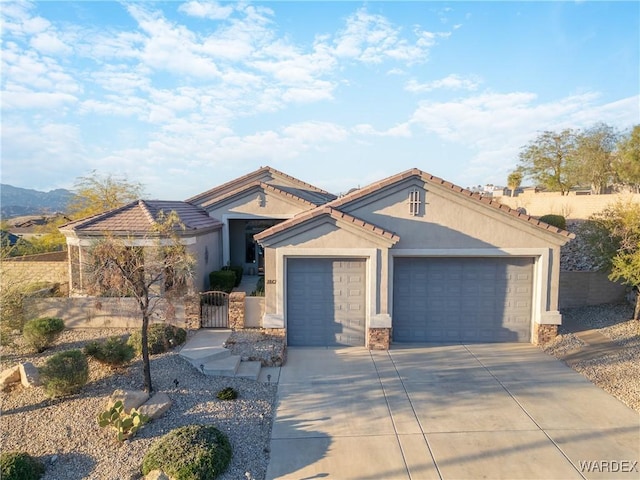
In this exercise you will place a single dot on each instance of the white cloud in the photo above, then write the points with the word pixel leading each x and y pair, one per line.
pixel 372 39
pixel 169 47
pixel 49 44
pixel 210 10
pixel 495 126
pixel 450 82
pixel 402 130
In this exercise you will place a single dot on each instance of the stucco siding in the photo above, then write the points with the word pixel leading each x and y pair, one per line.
pixel 206 250
pixel 256 202
pixel 445 221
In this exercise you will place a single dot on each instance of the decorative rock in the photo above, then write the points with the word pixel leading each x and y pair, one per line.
pixel 156 475
pixel 9 376
pixel 156 406
pixel 130 399
pixel 29 375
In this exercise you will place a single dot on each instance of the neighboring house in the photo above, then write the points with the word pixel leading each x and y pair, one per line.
pixel 134 223
pixel 8 239
pixel 411 258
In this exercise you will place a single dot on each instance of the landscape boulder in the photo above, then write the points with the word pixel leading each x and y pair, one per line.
pixel 29 375
pixel 9 376
pixel 130 399
pixel 156 406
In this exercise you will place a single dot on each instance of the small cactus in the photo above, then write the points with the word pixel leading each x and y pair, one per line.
pixel 125 424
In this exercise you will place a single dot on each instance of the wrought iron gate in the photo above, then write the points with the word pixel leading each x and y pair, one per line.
pixel 214 310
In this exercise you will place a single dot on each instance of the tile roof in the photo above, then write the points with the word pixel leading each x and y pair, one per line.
pixel 415 172
pixel 139 217
pixel 254 176
pixel 333 213
pixel 293 193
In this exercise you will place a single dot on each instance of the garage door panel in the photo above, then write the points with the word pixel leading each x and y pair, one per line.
pixel 326 301
pixel 462 299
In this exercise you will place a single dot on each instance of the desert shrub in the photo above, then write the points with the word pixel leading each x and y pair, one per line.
pixel 65 373
pixel 19 466
pixel 41 332
pixel 238 270
pixel 555 220
pixel 227 393
pixel 223 280
pixel 161 337
pixel 193 452
pixel 115 351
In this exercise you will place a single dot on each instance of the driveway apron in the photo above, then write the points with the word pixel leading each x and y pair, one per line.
pixel 446 412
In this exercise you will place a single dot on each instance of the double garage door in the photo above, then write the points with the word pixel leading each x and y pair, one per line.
pixel 462 299
pixel 326 301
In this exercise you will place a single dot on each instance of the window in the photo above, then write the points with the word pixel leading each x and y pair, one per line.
pixel 414 202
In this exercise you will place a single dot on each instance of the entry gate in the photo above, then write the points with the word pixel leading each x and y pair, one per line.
pixel 214 310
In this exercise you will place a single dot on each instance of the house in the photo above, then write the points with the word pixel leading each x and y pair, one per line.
pixel 411 258
pixel 135 223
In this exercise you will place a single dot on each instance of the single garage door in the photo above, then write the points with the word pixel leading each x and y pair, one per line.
pixel 326 301
pixel 462 299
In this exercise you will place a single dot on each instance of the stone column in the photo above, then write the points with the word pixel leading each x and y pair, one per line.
pixel 236 310
pixel 192 312
pixel 543 333
pixel 379 338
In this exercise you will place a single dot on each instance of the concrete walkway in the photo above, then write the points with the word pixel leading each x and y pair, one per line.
pixel 446 411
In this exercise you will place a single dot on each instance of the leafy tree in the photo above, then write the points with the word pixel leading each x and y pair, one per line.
pixel 97 193
pixel 514 180
pixel 161 269
pixel 613 236
pixel 595 151
pixel 627 164
pixel 549 160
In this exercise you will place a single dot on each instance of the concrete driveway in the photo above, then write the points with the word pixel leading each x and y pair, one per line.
pixel 446 411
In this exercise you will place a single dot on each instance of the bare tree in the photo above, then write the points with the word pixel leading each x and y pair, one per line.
pixel 159 267
pixel 97 193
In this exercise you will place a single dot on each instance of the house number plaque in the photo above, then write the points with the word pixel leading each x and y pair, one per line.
pixel 271 282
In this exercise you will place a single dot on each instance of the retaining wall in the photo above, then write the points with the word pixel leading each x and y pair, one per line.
pixel 574 207
pixel 110 312
pixel 578 289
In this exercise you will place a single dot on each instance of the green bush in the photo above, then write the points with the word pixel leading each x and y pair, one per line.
pixel 20 466
pixel 115 351
pixel 237 270
pixel 65 373
pixel 227 393
pixel 161 337
pixel 194 452
pixel 555 220
pixel 41 332
pixel 223 280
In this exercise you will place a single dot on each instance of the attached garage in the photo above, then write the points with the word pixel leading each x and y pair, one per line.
pixel 462 299
pixel 326 301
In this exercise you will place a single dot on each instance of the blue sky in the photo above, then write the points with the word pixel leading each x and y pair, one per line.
pixel 183 96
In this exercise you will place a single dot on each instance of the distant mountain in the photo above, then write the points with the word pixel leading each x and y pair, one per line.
pixel 15 201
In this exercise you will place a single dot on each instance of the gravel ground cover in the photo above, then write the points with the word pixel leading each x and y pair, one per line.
pixel 65 435
pixel 617 372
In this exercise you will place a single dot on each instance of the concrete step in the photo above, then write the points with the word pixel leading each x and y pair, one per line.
pixel 249 370
pixel 225 367
pixel 201 355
